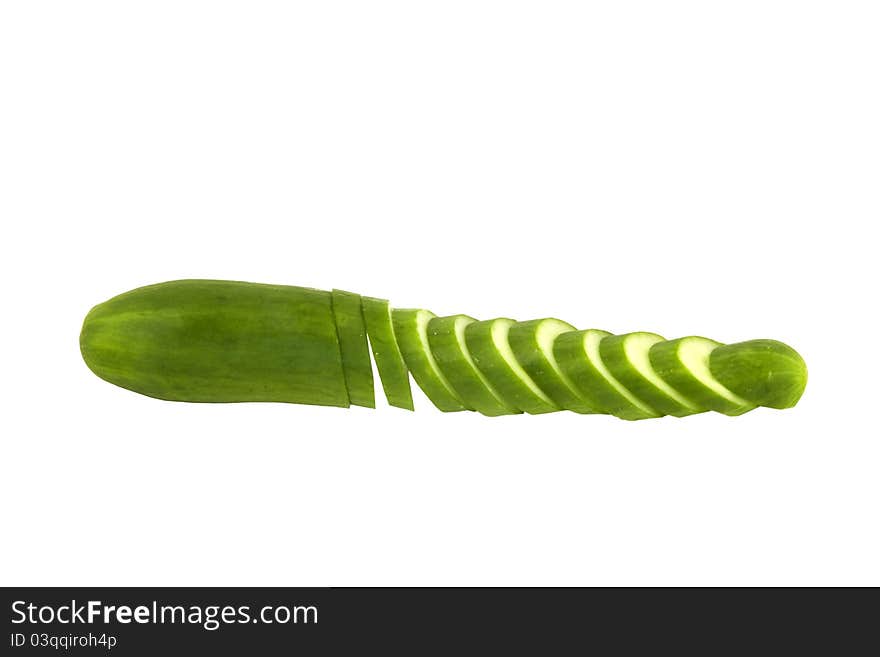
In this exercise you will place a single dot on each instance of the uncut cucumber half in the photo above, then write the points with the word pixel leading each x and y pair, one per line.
pixel 356 363
pixel 628 357
pixel 684 365
pixel 490 349
pixel 411 330
pixel 218 341
pixel 532 344
pixel 446 336
pixel 389 360
pixel 227 341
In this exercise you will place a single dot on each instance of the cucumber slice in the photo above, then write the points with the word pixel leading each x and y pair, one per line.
pixel 490 349
pixel 411 330
pixel 389 360
pixel 532 344
pixel 356 361
pixel 765 372
pixel 446 337
pixel 626 356
pixel 684 365
pixel 577 353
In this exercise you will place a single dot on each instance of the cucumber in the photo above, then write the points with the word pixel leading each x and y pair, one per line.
pixel 490 349
pixel 352 333
pixel 684 365
pixel 532 344
pixel 627 358
pixel 577 353
pixel 218 341
pixel 228 341
pixel 389 360
pixel 764 372
pixel 411 331
pixel 447 341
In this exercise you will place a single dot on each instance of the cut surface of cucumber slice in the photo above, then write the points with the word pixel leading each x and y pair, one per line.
pixel 389 361
pixel 684 365
pixel 577 353
pixel 532 344
pixel 446 335
pixel 765 372
pixel 490 350
pixel 411 330
pixel 356 363
pixel 627 358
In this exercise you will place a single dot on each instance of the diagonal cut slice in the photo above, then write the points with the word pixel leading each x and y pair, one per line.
pixel 411 330
pixel 446 335
pixel 356 363
pixel 386 353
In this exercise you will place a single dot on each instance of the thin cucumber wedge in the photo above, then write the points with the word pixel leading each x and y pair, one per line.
pixel 684 365
pixel 411 330
pixel 446 335
pixel 532 344
pixel 627 358
pixel 356 361
pixel 490 349
pixel 389 361
pixel 765 372
pixel 218 341
pixel 577 353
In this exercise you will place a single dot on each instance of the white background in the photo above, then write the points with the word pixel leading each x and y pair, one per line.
pixel 678 167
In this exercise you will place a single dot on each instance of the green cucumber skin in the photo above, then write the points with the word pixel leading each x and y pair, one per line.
pixel 765 372
pixel 601 395
pixel 218 341
pixel 463 376
pixel 667 363
pixel 389 361
pixel 509 385
pixel 419 360
pixel 523 341
pixel 352 333
pixel 612 351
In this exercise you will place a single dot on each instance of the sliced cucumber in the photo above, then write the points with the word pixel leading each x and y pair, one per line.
pixel 490 349
pixel 356 362
pixel 389 360
pixel 626 356
pixel 765 372
pixel 684 365
pixel 577 353
pixel 446 337
pixel 411 330
pixel 532 344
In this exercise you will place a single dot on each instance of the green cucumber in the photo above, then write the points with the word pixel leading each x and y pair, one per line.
pixel 228 341
pixel 446 336
pixel 684 365
pixel 356 361
pixel 577 353
pixel 490 349
pixel 627 358
pixel 532 344
pixel 764 372
pixel 411 331
pixel 389 360
pixel 218 341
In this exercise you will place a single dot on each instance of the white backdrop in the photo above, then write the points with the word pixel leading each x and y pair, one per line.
pixel 678 167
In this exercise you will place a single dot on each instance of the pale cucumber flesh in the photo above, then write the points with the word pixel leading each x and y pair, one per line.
pixel 411 330
pixel 355 351
pixel 389 361
pixel 446 336
pixel 532 344
pixel 491 352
